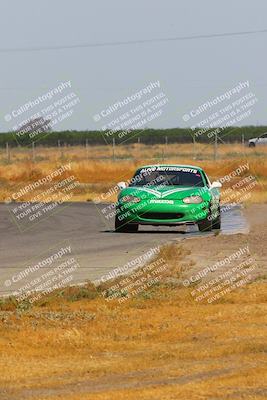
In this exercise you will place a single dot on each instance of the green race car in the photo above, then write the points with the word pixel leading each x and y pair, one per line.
pixel 168 195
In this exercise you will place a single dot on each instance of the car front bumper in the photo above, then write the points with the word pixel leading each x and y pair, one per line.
pixel 175 213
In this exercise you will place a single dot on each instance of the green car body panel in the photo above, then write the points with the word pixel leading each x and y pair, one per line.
pixel 164 205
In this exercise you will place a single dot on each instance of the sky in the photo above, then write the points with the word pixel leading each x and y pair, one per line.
pixel 189 72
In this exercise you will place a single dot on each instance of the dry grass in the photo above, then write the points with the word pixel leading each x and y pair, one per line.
pixel 167 338
pixel 161 345
pixel 97 171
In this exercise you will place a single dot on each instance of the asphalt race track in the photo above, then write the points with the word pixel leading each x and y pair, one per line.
pixel 94 244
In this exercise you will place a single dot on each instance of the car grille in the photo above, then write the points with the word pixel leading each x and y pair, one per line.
pixel 164 216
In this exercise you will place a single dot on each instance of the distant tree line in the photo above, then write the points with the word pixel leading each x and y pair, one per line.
pixel 147 136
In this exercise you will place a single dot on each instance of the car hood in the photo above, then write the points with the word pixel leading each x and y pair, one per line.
pixel 164 192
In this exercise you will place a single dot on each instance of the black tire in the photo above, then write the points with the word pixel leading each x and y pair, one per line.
pixel 205 225
pixel 216 223
pixel 123 227
pixel 251 144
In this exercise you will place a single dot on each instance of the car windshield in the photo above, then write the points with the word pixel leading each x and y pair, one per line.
pixel 167 176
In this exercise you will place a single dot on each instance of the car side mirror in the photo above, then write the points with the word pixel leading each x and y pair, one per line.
pixel 122 185
pixel 216 185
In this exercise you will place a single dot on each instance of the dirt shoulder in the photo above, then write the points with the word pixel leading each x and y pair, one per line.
pixel 220 252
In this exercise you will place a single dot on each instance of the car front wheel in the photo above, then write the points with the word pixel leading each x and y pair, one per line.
pixel 120 226
pixel 216 223
pixel 205 225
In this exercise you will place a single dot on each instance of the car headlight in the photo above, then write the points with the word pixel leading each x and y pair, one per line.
pixel 130 199
pixel 193 200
